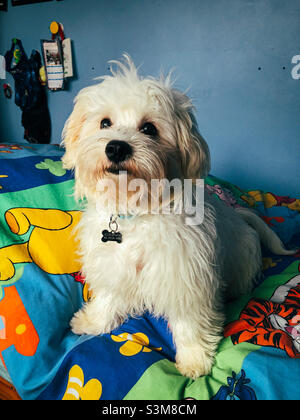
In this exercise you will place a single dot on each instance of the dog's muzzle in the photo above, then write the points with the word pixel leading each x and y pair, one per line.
pixel 118 151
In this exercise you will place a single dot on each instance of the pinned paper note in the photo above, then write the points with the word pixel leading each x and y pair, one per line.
pixel 2 67
pixel 53 59
pixel 67 53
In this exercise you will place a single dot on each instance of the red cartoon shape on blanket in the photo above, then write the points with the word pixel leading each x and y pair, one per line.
pixel 274 322
pixel 297 255
pixel 16 328
pixel 268 220
pixel 12 147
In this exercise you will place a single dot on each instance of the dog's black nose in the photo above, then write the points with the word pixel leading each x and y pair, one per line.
pixel 118 151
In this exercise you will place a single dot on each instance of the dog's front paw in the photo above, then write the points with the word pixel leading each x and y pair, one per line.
pixel 83 323
pixel 192 361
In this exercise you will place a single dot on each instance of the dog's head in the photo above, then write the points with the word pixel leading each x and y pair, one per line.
pixel 128 123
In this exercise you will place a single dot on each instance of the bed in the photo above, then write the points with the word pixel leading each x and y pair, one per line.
pixel 41 287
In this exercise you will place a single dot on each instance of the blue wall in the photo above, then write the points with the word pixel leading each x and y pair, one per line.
pixel 234 55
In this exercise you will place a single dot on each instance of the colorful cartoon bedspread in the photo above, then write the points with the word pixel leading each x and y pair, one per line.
pixel 41 288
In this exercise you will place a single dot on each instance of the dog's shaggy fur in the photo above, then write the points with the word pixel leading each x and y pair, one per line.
pixel 178 271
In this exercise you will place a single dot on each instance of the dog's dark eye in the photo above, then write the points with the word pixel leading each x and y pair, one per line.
pixel 105 123
pixel 149 129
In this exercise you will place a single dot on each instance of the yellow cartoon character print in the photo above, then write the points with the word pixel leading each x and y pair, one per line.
pixel 2 176
pixel 51 244
pixel 270 200
pixel 269 262
pixel 258 196
pixel 134 343
pixel 78 390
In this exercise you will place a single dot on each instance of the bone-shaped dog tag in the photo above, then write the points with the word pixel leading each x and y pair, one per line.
pixel 111 236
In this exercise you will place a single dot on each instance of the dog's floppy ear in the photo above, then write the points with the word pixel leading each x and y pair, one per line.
pixel 194 151
pixel 71 133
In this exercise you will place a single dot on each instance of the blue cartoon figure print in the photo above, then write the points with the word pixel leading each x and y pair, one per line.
pixel 236 389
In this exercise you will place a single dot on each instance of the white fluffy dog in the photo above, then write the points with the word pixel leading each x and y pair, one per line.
pixel 174 270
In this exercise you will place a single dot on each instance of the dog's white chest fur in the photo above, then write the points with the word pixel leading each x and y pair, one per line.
pixel 161 259
pixel 149 268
